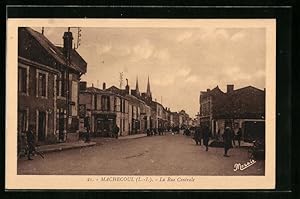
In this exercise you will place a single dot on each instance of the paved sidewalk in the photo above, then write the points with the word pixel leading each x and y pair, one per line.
pixel 103 140
pixel 64 146
pixel 132 136
pixel 219 143
pixel 81 143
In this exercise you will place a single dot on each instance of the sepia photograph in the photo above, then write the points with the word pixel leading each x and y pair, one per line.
pixel 150 101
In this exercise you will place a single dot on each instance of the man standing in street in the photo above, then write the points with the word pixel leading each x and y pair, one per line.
pixel 87 126
pixel 206 134
pixel 197 136
pixel 227 138
pixel 30 141
pixel 238 136
pixel 116 131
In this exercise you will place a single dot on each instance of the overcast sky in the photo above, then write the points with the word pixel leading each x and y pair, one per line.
pixel 180 62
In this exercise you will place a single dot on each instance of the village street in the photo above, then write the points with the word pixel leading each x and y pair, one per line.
pixel 155 155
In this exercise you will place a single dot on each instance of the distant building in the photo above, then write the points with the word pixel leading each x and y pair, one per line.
pixel 139 112
pixel 175 119
pixel 48 79
pixel 159 115
pixel 147 96
pixel 183 118
pixel 105 110
pixel 219 109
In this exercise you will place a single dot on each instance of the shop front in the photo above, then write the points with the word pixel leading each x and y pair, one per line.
pixel 104 124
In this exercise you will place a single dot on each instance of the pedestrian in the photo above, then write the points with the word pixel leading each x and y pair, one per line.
pixel 206 134
pixel 116 131
pixel 218 136
pixel 233 137
pixel 187 132
pixel 30 141
pixel 227 138
pixel 87 126
pixel 197 136
pixel 238 136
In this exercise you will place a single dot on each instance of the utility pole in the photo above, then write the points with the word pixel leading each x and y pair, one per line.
pixel 78 38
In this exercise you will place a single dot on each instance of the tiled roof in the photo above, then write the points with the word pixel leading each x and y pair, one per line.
pixel 77 62
pixel 101 91
pixel 245 88
pixel 114 89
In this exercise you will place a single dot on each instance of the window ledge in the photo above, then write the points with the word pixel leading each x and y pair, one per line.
pixel 61 97
pixel 42 97
pixel 23 94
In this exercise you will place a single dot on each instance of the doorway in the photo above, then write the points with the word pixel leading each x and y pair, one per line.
pixel 41 126
pixel 61 126
pixel 105 124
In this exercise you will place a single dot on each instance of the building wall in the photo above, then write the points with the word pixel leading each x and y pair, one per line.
pixel 31 103
pixel 130 118
pixel 36 53
pixel 117 105
pixel 217 107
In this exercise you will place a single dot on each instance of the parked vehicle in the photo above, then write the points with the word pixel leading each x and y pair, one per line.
pixel 253 130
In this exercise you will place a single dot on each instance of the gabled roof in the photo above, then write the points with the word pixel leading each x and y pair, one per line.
pixel 117 90
pixel 94 90
pixel 214 91
pixel 77 62
pixel 100 91
pixel 246 88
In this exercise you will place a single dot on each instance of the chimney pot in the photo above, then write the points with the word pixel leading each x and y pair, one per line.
pixel 104 86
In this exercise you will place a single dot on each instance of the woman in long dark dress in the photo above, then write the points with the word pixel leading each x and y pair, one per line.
pixel 227 138
pixel 206 134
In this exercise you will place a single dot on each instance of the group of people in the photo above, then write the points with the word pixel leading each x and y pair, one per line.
pixel 202 132
pixel 229 137
pixel 157 131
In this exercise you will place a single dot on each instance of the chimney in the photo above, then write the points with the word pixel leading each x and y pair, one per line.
pixel 208 90
pixel 104 86
pixel 127 87
pixel 230 88
pixel 68 40
pixel 82 85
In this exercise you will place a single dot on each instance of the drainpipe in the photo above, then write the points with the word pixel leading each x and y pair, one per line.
pixel 67 51
pixel 67 100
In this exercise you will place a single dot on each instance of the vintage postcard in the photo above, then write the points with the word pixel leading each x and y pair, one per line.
pixel 140 104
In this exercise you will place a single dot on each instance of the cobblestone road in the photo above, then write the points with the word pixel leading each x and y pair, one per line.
pixel 156 155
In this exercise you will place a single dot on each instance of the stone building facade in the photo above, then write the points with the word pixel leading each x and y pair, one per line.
pixel 219 109
pixel 105 110
pixel 48 79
